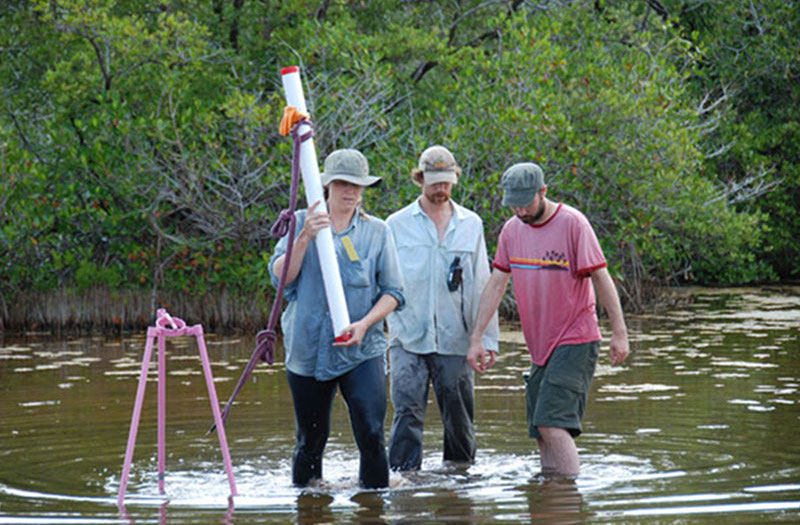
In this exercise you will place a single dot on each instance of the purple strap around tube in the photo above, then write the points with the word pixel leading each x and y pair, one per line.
pixel 265 339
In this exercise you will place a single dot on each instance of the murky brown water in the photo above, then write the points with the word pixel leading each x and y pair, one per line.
pixel 701 426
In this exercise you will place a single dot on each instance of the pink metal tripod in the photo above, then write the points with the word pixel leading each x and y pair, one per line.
pixel 168 326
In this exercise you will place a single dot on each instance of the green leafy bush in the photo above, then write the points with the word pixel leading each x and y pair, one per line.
pixel 139 145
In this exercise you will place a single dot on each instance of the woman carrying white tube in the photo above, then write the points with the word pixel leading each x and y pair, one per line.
pixel 316 365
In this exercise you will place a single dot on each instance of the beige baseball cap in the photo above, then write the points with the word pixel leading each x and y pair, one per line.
pixel 438 165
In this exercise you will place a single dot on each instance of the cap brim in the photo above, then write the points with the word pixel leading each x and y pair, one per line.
pixel 367 181
pixel 435 177
pixel 518 199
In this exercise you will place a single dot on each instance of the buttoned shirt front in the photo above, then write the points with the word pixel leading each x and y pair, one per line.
pixel 436 319
pixel 369 271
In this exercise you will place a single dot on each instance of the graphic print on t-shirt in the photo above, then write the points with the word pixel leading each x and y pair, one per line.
pixel 551 261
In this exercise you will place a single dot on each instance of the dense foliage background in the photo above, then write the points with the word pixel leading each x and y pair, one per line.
pixel 139 146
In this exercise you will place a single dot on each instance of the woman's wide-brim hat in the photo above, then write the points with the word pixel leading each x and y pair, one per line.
pixel 350 166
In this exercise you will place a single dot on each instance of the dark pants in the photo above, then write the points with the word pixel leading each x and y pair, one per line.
pixel 364 391
pixel 453 381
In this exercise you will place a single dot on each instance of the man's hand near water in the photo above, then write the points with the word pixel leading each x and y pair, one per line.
pixel 619 347
pixel 479 358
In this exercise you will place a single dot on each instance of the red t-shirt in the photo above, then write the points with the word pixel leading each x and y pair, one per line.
pixel 551 264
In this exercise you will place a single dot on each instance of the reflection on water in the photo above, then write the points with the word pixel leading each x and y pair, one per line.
pixel 700 426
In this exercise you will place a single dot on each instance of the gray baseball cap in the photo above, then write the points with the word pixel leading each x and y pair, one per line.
pixel 348 165
pixel 521 182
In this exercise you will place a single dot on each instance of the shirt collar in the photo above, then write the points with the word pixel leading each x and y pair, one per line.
pixel 458 211
pixel 416 209
pixel 545 223
pixel 353 223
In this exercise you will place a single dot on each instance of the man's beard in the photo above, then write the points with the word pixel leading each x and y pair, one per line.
pixel 438 197
pixel 531 219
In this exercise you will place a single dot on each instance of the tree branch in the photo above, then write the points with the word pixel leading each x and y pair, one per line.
pixel 751 187
pixel 322 10
pixel 659 8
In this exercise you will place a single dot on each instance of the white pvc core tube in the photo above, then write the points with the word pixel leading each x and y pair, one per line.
pixel 309 168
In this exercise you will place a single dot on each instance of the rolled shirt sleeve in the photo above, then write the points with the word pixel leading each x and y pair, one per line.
pixel 390 278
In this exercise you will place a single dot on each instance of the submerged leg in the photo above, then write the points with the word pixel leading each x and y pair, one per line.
pixel 364 391
pixel 409 385
pixel 453 381
pixel 313 401
pixel 558 452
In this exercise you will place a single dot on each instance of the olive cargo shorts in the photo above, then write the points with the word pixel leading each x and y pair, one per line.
pixel 556 393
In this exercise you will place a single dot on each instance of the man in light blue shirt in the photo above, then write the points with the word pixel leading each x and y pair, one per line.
pixel 445 267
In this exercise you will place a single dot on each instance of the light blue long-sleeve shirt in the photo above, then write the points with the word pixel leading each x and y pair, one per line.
pixel 434 318
pixel 306 322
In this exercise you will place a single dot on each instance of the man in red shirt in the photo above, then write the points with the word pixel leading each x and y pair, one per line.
pixel 552 252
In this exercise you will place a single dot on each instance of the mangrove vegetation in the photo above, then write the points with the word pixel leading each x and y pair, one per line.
pixel 141 164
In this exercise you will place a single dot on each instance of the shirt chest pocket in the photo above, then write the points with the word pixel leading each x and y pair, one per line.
pixel 463 248
pixel 416 261
pixel 462 244
pixel 354 273
pixel 354 269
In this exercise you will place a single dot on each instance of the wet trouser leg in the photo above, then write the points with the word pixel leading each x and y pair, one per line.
pixel 409 386
pixel 453 382
pixel 364 391
pixel 313 401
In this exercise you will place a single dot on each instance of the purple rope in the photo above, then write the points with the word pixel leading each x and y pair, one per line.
pixel 265 339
